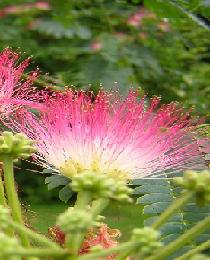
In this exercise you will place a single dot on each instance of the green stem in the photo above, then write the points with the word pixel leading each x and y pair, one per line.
pixel 38 252
pixel 126 246
pixel 39 239
pixel 177 204
pixel 83 199
pixel 12 196
pixel 98 206
pixel 182 240
pixel 2 196
pixel 197 249
pixel 74 241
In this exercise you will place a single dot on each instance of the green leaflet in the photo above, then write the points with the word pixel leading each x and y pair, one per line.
pixel 156 196
pixel 58 180
pixel 65 193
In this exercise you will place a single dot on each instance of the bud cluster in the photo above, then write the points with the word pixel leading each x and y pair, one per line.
pixel 146 239
pixel 75 220
pixel 15 146
pixel 198 182
pixel 101 186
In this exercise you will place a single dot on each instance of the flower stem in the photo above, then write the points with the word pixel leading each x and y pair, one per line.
pixel 205 245
pixel 39 252
pixel 12 196
pixel 74 241
pixel 182 240
pixel 177 204
pixel 124 247
pixel 38 238
pixel 2 196
pixel 98 206
pixel 83 199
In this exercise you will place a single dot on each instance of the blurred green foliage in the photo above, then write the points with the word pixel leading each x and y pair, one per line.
pixel 161 46
pixel 117 43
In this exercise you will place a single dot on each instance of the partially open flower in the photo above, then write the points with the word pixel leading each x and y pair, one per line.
pixel 99 236
pixel 26 7
pixel 112 135
pixel 137 18
pixel 14 90
pixel 96 46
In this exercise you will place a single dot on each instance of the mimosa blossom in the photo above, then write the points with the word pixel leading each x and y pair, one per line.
pixel 102 236
pixel 14 91
pixel 112 135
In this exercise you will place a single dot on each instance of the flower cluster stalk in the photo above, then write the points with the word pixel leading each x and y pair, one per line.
pixel 55 252
pixel 2 196
pixel 74 241
pixel 37 238
pixel 12 196
pixel 182 240
pixel 176 205
pixel 123 247
pixel 98 206
pixel 200 248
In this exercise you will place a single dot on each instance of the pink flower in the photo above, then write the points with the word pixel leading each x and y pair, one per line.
pixel 14 91
pixel 42 5
pixel 96 46
pixel 109 134
pixel 27 7
pixel 137 18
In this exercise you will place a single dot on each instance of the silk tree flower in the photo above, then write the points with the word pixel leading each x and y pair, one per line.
pixel 112 135
pixel 98 236
pixel 14 91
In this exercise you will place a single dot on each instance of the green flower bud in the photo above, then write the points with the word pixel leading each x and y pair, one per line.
pixel 198 182
pixel 15 146
pixel 8 245
pixel 75 220
pixel 101 185
pixel 146 240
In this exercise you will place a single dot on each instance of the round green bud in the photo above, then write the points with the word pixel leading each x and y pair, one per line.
pixel 8 245
pixel 100 185
pixel 146 239
pixel 15 146
pixel 75 220
pixel 198 182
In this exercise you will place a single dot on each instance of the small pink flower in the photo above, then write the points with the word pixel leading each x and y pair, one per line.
pixel 96 46
pixel 137 18
pixel 14 91
pixel 107 133
pixel 102 236
pixel 27 7
pixel 42 5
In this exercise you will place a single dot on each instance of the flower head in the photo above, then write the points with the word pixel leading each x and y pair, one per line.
pixel 15 91
pixel 98 236
pixel 25 8
pixel 112 135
